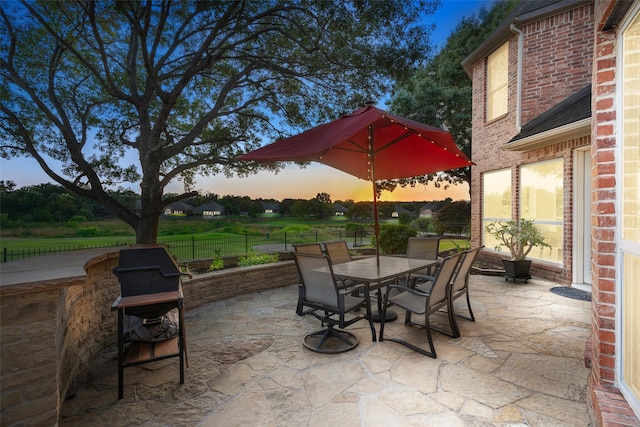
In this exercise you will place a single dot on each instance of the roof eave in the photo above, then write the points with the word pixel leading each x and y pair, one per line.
pixel 552 136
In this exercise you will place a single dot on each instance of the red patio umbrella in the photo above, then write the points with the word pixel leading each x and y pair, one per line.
pixel 370 144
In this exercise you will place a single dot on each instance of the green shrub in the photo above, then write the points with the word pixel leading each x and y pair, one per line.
pixel 255 258
pixel 352 227
pixel 296 229
pixel 88 232
pixel 404 218
pixel 217 263
pixel 424 223
pixel 76 220
pixel 393 238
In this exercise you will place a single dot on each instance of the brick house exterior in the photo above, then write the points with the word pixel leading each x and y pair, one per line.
pixel 571 53
pixel 565 104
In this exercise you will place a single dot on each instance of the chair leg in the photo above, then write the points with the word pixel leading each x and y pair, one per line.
pixel 367 298
pixel 120 353
pixel 431 353
pixel 316 345
pixel 471 317
pixel 452 320
pixel 429 338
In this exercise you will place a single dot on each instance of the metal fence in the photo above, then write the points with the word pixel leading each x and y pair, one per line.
pixel 204 247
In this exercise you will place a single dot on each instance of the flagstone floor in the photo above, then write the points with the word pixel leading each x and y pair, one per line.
pixel 520 364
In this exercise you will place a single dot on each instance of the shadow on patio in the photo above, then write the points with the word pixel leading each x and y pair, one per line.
pixel 520 363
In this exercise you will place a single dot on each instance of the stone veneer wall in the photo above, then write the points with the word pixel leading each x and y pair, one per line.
pixel 52 329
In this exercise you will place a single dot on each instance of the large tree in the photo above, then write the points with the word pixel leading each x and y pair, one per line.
pixel 147 92
pixel 439 93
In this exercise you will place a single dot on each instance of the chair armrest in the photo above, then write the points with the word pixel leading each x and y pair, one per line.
pixel 350 289
pixel 416 292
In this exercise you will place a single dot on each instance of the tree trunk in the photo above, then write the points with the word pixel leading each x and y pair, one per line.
pixel 147 230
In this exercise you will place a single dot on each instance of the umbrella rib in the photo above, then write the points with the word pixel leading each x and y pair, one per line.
pixel 358 149
pixel 400 138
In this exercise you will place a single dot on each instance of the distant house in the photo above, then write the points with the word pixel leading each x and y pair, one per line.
pixel 339 209
pixel 428 210
pixel 270 208
pixel 210 209
pixel 398 210
pixel 179 208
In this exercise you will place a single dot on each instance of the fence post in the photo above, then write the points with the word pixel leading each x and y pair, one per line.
pixel 246 243
pixel 285 241
pixel 193 247
pixel 5 254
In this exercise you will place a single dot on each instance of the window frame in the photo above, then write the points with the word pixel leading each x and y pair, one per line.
pixel 501 89
pixel 557 220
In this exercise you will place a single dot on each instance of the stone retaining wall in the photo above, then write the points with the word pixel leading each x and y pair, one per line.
pixel 51 329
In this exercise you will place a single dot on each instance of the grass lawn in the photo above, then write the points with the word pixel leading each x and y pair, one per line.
pixel 190 238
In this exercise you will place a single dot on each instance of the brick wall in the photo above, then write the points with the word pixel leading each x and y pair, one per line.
pixel 603 207
pixel 557 59
pixel 557 56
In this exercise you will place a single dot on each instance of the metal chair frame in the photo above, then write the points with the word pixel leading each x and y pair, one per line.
pixel 425 302
pixel 329 303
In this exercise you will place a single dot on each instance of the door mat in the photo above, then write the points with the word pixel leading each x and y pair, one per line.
pixel 574 293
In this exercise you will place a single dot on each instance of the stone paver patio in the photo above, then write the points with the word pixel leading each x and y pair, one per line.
pixel 520 364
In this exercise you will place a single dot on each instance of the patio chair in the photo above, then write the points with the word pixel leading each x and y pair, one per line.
pixel 338 251
pixel 330 304
pixel 460 285
pixel 150 309
pixel 422 248
pixel 306 248
pixel 425 302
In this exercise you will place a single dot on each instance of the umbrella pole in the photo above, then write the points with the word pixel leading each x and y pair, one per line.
pixel 376 226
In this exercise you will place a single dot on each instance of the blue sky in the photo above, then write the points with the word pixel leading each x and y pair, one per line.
pixel 295 182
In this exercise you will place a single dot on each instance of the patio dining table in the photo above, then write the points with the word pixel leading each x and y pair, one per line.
pixel 375 277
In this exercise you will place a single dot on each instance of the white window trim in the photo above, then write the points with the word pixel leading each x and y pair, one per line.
pixel 622 246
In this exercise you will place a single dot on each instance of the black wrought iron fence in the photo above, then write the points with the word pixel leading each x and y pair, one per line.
pixel 203 247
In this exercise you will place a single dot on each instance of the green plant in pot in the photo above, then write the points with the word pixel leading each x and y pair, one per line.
pixel 519 237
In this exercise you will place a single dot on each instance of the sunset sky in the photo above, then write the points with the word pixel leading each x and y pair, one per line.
pixel 295 182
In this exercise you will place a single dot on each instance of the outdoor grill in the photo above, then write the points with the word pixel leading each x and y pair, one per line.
pixel 147 270
pixel 149 289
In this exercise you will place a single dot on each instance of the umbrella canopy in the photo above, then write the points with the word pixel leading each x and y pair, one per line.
pixel 370 144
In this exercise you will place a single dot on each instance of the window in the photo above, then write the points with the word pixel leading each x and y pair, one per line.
pixel 497 82
pixel 629 194
pixel 541 200
pixel 496 201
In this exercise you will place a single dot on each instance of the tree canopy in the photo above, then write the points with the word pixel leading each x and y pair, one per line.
pixel 439 93
pixel 103 94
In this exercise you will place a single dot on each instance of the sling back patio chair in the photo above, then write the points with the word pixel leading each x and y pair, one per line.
pixel 330 304
pixel 308 248
pixel 338 251
pixel 425 302
pixel 423 248
pixel 460 285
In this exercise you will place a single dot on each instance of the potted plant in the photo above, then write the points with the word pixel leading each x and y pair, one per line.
pixel 519 237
